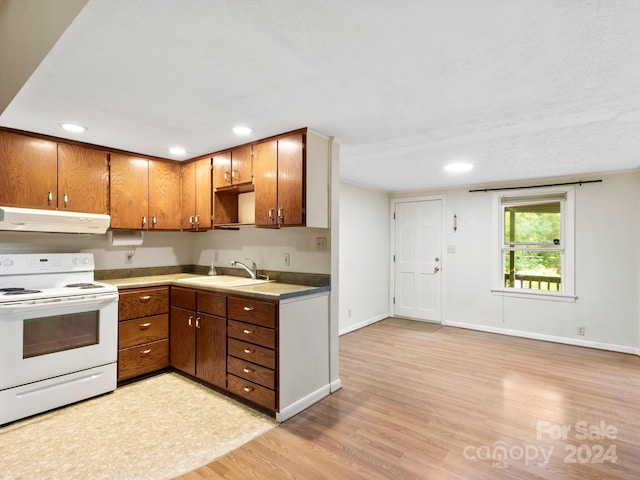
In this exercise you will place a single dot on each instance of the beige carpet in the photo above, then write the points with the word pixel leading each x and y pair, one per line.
pixel 157 428
pixel 410 324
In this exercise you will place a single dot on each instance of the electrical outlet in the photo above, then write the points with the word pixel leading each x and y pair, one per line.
pixel 581 330
pixel 451 249
pixel 321 243
pixel 287 259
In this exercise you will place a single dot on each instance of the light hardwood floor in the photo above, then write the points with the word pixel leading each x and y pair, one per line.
pixel 420 405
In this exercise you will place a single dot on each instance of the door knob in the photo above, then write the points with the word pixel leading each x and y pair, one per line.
pixel 436 270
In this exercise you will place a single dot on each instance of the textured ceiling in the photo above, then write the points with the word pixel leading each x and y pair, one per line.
pixel 520 89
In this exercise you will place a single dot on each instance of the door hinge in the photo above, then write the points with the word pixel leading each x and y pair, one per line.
pixel 394 258
pixel 394 215
pixel 394 300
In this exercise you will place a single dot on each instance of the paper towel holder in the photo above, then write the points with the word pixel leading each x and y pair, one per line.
pixel 125 237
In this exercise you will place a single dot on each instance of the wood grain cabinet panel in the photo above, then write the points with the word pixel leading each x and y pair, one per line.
pixel 129 192
pixel 164 195
pixel 252 372
pixel 252 392
pixel 279 181
pixel 253 311
pixel 28 171
pixel 143 331
pixel 232 168
pixel 196 195
pixel 83 179
pixel 248 332
pixel 198 339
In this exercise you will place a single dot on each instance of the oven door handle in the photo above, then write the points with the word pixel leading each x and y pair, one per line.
pixel 52 303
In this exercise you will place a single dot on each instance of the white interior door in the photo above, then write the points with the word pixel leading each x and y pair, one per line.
pixel 417 277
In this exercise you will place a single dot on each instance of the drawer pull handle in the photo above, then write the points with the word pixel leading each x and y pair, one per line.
pixel 248 351
pixel 247 370
pixel 246 331
pixel 248 389
pixel 145 352
pixel 190 320
pixel 144 326
pixel 197 322
pixel 146 298
pixel 248 309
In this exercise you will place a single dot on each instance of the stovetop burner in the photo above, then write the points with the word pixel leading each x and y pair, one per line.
pixel 84 285
pixel 17 291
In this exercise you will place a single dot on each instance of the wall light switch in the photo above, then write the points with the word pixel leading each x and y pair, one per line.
pixel 287 259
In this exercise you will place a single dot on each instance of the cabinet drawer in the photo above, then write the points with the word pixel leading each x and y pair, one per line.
pixel 252 353
pixel 183 298
pixel 143 302
pixel 143 330
pixel 212 303
pixel 252 372
pixel 252 391
pixel 145 358
pixel 252 333
pixel 253 311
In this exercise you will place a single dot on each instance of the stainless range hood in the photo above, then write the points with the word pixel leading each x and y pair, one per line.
pixel 55 221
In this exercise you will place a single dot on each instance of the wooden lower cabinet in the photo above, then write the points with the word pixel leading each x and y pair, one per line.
pixel 199 334
pixel 143 331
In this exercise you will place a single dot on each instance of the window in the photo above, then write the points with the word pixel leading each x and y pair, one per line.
pixel 536 243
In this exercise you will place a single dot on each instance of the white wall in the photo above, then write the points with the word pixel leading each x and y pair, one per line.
pixel 607 263
pixel 364 256
pixel 266 247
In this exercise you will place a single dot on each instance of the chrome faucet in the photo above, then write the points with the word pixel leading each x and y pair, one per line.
pixel 252 270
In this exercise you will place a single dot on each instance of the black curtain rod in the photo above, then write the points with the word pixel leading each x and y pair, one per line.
pixel 581 182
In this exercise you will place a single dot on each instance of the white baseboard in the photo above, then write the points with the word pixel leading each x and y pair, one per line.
pixel 363 324
pixel 547 338
pixel 305 402
pixel 336 385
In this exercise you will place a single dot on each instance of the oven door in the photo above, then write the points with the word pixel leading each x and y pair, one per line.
pixel 51 337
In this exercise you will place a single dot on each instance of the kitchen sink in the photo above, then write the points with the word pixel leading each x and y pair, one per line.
pixel 222 281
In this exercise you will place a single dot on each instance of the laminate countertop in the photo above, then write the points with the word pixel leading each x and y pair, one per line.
pixel 268 290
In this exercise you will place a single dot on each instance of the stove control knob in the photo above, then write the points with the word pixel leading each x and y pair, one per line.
pixel 7 262
pixel 85 260
pixel 76 260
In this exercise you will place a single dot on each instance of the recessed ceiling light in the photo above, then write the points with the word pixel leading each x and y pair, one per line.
pixel 177 151
pixel 242 130
pixel 458 167
pixel 74 127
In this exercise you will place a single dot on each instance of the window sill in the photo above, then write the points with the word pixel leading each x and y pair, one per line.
pixel 535 295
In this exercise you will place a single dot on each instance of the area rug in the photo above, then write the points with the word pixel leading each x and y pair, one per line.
pixel 157 428
pixel 411 324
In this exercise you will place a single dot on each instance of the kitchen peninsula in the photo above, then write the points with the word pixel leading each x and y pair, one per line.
pixel 264 342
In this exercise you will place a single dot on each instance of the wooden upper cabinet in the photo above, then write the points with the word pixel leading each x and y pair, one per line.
pixel 265 179
pixel 129 192
pixel 241 166
pixel 196 194
pixel 28 171
pixel 83 179
pixel 232 168
pixel 164 195
pixel 278 168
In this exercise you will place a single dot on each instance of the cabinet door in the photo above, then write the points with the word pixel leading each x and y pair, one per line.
pixel 211 349
pixel 188 180
pixel 222 170
pixel 28 171
pixel 83 179
pixel 291 180
pixel 164 195
pixel 265 169
pixel 203 193
pixel 241 166
pixel 129 192
pixel 183 340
